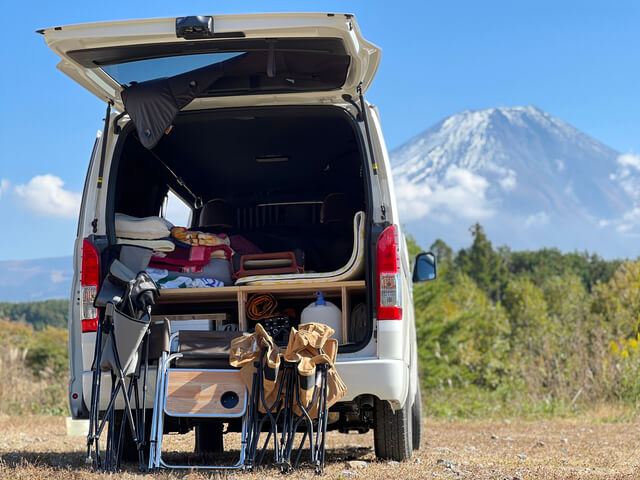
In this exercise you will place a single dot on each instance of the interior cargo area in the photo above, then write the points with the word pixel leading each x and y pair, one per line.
pixel 272 180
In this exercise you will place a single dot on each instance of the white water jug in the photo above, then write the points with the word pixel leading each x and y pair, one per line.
pixel 324 312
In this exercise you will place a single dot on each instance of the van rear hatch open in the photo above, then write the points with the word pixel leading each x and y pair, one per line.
pixel 310 57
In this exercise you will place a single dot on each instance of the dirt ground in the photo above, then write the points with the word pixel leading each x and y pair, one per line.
pixel 36 448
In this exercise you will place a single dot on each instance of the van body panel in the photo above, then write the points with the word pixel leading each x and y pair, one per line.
pixel 385 365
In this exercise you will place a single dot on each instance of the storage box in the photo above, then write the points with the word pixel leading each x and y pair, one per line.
pixel 198 322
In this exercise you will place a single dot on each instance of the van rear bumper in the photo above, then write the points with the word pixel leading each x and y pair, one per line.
pixel 105 389
pixel 386 379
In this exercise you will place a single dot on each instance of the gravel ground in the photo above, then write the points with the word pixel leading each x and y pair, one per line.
pixel 36 448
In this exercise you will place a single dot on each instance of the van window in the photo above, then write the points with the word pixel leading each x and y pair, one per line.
pixel 176 210
pixel 148 69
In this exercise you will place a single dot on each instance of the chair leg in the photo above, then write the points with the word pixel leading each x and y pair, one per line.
pixel 156 429
pixel 95 395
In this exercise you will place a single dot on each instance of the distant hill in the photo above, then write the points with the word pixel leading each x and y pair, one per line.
pixel 31 280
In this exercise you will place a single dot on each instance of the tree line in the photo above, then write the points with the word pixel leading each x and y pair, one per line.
pixel 52 313
pixel 526 330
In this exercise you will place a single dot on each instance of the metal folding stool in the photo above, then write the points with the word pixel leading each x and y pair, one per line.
pixel 236 401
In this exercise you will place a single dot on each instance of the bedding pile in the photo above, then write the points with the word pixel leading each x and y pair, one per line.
pixel 147 232
pixel 184 258
pixel 181 258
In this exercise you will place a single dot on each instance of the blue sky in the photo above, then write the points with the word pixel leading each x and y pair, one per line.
pixel 577 60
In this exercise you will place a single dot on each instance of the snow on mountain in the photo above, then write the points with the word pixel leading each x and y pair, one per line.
pixel 529 178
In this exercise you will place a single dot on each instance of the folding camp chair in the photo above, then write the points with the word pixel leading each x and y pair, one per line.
pixel 286 416
pixel 290 394
pixel 127 298
pixel 195 381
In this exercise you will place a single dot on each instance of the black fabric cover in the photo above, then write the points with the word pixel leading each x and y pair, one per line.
pixel 205 349
pixel 152 105
pixel 159 336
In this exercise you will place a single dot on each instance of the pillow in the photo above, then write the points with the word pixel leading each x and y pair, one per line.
pixel 147 228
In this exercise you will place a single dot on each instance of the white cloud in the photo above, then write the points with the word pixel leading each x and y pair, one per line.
pixel 507 176
pixel 569 192
pixel 538 219
pixel 461 193
pixel 5 185
pixel 629 160
pixel 45 196
pixel 627 176
pixel 560 165
pixel 508 183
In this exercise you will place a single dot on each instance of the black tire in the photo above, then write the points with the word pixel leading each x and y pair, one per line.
pixel 209 438
pixel 129 447
pixel 392 432
pixel 416 420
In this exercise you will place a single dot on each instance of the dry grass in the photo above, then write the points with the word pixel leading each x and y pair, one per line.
pixel 23 392
pixel 36 448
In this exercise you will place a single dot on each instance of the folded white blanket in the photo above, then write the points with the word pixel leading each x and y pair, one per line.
pixel 155 245
pixel 146 228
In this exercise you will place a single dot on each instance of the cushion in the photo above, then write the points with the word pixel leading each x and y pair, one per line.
pixel 146 228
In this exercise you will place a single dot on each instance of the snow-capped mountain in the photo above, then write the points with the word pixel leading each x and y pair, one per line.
pixel 529 178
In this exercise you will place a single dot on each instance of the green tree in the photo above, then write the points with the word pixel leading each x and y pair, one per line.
pixel 462 335
pixel 47 355
pixel 412 246
pixel 442 251
pixel 483 264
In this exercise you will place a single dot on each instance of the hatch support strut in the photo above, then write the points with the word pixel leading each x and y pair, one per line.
pixel 103 153
pixel 374 165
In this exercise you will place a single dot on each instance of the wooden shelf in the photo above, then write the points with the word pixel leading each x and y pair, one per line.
pixel 240 294
pixel 221 294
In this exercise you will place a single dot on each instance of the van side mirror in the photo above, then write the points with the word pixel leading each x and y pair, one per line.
pixel 424 267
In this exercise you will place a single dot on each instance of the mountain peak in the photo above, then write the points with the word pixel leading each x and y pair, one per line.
pixel 518 164
pixel 476 139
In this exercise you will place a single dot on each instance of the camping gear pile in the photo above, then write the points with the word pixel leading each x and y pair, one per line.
pixel 181 258
pixel 184 258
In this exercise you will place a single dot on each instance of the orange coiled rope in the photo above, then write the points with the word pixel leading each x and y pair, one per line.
pixel 261 306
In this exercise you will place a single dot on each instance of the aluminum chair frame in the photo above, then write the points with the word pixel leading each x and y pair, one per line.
pixel 159 411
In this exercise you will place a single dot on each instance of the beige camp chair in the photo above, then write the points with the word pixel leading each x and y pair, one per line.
pixel 291 392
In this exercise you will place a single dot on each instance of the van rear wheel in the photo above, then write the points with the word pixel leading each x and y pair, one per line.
pixel 392 432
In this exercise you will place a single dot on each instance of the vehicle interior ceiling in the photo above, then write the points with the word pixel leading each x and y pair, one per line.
pixel 292 178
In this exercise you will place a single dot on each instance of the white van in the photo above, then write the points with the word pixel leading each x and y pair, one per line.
pixel 266 112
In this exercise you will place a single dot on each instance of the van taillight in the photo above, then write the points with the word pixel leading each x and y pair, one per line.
pixel 389 280
pixel 89 281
